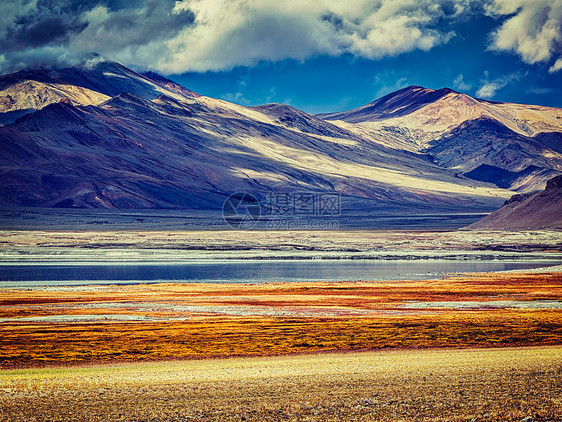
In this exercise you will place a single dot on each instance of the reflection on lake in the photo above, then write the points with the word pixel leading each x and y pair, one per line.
pixel 251 271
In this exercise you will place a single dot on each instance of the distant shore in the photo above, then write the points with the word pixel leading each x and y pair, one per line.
pixel 173 245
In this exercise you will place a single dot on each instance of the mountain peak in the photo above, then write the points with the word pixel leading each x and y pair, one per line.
pixel 169 84
pixel 396 104
pixel 445 90
pixel 121 139
pixel 91 82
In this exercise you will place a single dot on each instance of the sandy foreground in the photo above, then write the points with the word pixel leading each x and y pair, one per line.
pixel 465 385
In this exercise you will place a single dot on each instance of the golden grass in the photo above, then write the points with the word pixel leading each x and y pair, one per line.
pixel 57 343
pixel 274 372
pixel 312 317
pixel 398 385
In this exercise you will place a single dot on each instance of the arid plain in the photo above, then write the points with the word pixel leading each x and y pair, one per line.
pixel 481 346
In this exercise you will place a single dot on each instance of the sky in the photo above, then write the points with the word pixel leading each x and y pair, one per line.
pixel 316 55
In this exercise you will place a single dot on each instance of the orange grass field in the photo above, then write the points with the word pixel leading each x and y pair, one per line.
pixel 90 324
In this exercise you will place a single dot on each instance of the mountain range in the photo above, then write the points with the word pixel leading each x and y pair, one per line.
pixel 101 135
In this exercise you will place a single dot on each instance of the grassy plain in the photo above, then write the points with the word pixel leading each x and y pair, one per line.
pixel 172 321
pixel 443 349
pixel 511 384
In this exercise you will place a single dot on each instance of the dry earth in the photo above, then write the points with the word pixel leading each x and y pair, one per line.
pixel 128 246
pixel 515 384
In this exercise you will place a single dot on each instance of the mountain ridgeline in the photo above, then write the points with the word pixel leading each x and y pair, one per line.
pixel 104 136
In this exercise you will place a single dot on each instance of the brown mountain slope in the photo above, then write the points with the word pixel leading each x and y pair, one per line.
pixel 514 146
pixel 154 144
pixel 531 211
pixel 114 138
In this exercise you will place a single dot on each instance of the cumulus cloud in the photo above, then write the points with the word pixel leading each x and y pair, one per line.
pixel 229 34
pixel 199 35
pixel 48 30
pixel 533 29
pixel 488 89
pixel 41 32
pixel 126 31
pixel 172 36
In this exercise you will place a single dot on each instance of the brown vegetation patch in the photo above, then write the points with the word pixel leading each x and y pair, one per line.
pixel 209 320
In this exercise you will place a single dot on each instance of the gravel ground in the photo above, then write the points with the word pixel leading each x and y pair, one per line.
pixel 516 384
pixel 170 246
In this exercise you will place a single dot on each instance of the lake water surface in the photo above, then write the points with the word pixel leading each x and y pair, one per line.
pixel 250 271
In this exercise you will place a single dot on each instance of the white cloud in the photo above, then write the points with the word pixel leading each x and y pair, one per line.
pixel 228 34
pixel 556 66
pixel 490 88
pixel 460 84
pixel 200 35
pixel 533 29
pixel 238 97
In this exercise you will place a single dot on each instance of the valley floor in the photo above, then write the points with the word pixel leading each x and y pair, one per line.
pixel 443 349
pixel 513 384
pixel 115 323
pixel 20 246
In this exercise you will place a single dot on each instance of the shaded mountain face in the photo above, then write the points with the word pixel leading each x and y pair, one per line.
pixel 530 211
pixel 465 135
pixel 105 136
pixel 396 104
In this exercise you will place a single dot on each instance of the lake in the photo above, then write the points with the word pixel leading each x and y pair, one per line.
pixel 251 271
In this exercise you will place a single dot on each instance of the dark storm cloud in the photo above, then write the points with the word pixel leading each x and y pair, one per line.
pixel 43 32
pixel 51 29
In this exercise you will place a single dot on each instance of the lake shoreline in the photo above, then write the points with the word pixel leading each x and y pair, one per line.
pixel 478 346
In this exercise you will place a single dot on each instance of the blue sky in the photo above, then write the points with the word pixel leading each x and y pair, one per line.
pixel 323 83
pixel 317 55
